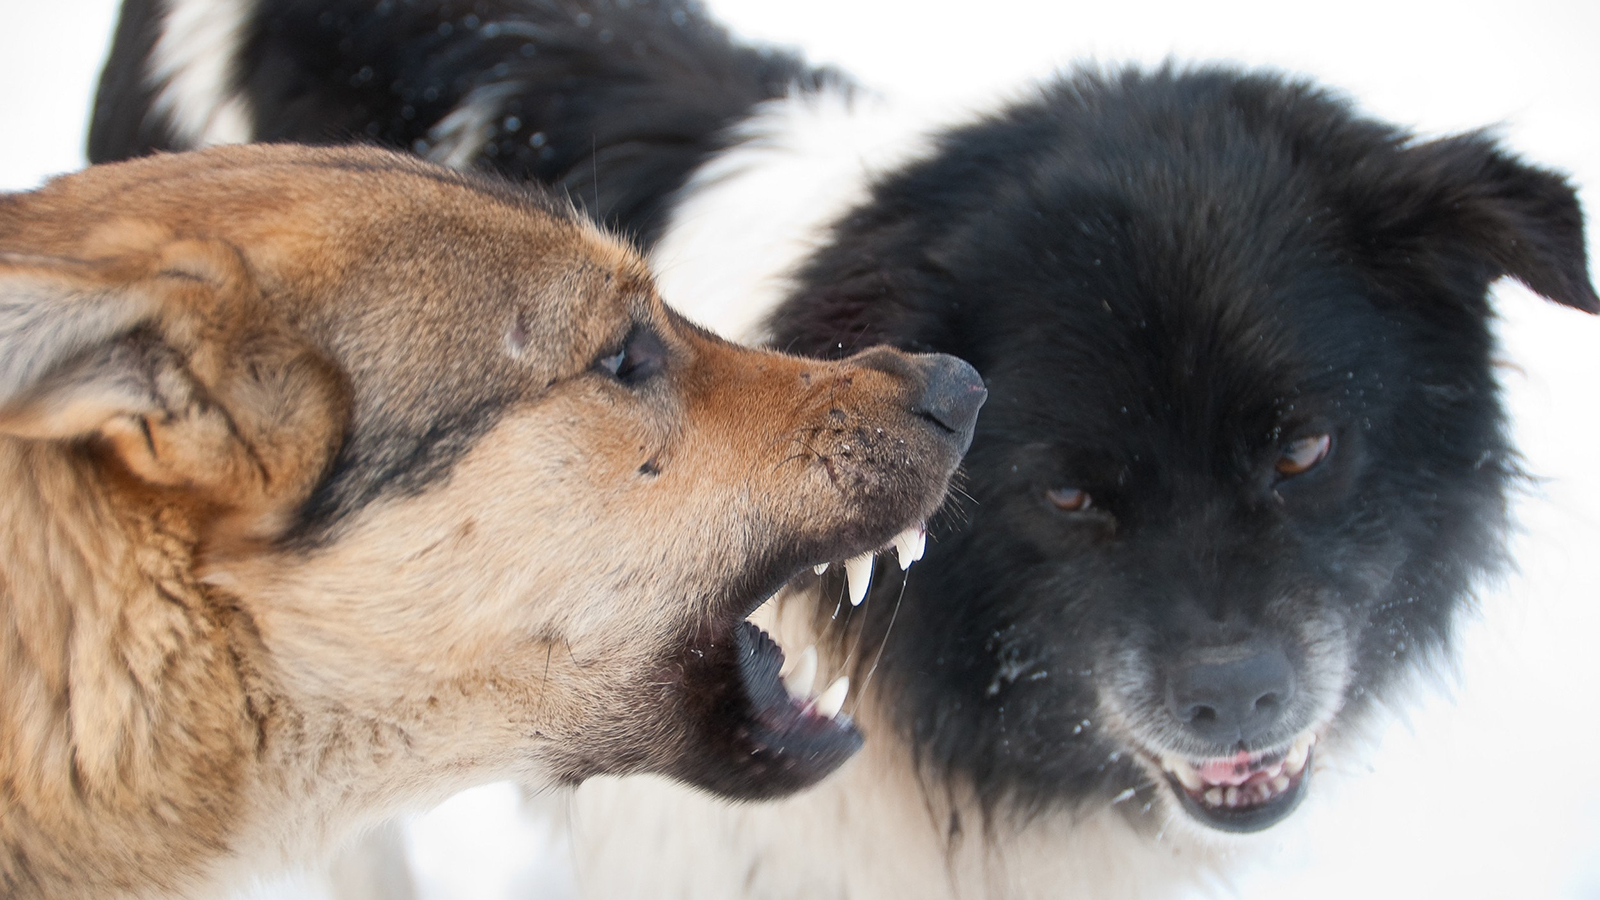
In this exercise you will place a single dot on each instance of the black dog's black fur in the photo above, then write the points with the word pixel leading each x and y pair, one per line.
pixel 1164 278
pixel 1167 279
pixel 617 103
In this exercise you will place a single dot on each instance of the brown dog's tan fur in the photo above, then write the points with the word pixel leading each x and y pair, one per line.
pixel 316 507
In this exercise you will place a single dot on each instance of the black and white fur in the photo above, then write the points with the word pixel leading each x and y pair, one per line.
pixel 1166 277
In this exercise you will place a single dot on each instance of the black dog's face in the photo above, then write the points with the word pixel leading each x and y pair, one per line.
pixel 1223 503
pixel 1244 454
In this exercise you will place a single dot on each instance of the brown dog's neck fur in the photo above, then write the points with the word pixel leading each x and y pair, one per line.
pixel 107 639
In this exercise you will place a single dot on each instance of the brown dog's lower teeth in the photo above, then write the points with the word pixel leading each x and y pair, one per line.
pixel 802 676
pixel 830 701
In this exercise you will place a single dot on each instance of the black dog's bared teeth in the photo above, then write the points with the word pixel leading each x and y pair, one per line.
pixel 1242 809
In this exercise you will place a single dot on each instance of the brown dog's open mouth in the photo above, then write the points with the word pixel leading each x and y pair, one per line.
pixel 788 709
pixel 1246 792
pixel 785 718
pixel 771 731
pixel 783 691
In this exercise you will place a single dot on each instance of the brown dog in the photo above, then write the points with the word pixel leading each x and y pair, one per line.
pixel 336 482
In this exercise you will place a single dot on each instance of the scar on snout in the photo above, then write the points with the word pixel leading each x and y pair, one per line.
pixel 650 467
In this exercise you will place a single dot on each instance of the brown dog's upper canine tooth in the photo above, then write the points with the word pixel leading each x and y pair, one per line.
pixel 858 577
pixel 910 544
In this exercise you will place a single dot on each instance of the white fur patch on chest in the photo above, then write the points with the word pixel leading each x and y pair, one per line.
pixel 193 67
pixel 750 215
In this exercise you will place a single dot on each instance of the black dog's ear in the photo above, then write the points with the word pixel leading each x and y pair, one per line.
pixel 1464 202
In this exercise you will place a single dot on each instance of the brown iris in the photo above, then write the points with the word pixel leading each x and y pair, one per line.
pixel 1302 455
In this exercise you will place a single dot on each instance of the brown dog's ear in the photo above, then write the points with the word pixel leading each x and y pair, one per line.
pixel 169 359
pixel 1462 204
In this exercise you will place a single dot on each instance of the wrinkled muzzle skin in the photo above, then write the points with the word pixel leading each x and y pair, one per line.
pixel 631 528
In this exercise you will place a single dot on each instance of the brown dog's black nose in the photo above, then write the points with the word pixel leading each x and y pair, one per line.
pixel 951 396
pixel 1232 695
pixel 951 391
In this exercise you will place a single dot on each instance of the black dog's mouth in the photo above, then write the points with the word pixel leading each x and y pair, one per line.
pixel 1246 792
pixel 767 731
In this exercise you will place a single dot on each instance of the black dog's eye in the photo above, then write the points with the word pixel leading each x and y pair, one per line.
pixel 641 356
pixel 1303 455
pixel 1069 499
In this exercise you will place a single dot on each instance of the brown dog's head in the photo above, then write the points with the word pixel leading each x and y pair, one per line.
pixel 463 482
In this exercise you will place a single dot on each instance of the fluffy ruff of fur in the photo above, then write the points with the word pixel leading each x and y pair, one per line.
pixel 1245 456
pixel 338 481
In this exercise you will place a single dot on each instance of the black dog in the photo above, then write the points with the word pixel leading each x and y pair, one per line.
pixel 1244 456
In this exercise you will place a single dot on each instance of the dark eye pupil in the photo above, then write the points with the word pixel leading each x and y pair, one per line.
pixel 642 355
pixel 1069 499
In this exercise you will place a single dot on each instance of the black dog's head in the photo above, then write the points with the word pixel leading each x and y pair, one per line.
pixel 1244 454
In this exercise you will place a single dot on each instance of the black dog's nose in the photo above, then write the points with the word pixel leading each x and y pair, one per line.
pixel 952 395
pixel 1231 694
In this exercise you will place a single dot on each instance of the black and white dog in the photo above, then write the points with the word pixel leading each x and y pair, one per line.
pixel 1244 456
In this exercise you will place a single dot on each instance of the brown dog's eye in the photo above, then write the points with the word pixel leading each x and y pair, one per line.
pixel 642 355
pixel 1069 499
pixel 1302 455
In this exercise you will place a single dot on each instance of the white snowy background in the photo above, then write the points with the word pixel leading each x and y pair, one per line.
pixel 1489 788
